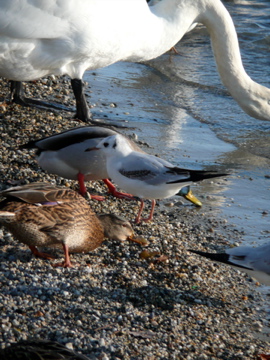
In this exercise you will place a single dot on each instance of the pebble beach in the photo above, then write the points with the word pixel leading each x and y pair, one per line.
pixel 124 301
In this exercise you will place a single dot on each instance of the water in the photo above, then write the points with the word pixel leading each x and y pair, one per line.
pixel 178 104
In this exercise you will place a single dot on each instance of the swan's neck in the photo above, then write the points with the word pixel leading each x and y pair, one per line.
pixel 225 47
pixel 251 96
pixel 157 28
pixel 175 17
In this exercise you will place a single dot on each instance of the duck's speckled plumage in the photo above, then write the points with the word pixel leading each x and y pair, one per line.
pixel 39 214
pixel 39 350
pixel 42 213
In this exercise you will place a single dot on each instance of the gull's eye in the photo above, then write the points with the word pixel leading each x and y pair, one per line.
pixel 106 144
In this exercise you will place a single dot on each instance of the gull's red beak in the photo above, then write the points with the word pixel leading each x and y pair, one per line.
pixel 93 148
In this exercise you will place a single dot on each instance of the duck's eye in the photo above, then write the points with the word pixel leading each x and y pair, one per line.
pixel 106 144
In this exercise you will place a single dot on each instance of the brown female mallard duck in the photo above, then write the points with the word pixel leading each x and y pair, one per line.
pixel 40 214
pixel 39 350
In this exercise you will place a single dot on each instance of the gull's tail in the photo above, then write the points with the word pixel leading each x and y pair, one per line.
pixel 193 175
pixel 221 257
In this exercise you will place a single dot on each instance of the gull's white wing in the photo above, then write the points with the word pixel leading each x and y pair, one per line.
pixel 149 169
pixel 253 258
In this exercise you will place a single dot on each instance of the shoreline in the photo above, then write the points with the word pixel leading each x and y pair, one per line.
pixel 117 305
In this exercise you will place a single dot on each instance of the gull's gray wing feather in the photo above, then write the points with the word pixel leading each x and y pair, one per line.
pixel 150 169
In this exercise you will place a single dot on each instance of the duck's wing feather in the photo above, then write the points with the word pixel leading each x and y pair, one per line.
pixel 39 193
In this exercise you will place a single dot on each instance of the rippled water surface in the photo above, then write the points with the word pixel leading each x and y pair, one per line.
pixel 178 105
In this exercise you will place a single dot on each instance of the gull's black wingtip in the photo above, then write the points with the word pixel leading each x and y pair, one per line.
pixel 198 175
pixel 220 257
pixel 194 175
pixel 30 145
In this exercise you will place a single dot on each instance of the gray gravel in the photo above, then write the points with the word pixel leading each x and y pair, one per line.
pixel 119 303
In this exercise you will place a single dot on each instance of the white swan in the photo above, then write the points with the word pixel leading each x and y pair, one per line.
pixel 40 37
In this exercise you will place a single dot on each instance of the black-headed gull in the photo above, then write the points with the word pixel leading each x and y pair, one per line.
pixel 144 175
pixel 39 38
pixel 64 154
pixel 253 261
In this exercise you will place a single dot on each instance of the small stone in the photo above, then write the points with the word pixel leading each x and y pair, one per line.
pixel 101 342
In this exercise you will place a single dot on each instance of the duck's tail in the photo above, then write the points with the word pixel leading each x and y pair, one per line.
pixel 6 216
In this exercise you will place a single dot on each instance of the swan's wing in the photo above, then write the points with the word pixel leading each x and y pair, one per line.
pixel 36 19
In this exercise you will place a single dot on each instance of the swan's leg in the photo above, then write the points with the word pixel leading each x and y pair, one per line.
pixel 17 93
pixel 17 97
pixel 118 194
pixel 174 50
pixel 82 109
pixel 40 254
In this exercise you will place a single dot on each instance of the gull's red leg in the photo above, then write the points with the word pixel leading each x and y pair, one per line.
pixel 83 189
pixel 118 194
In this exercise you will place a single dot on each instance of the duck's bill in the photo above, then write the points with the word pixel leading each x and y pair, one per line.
pixel 138 239
pixel 190 197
